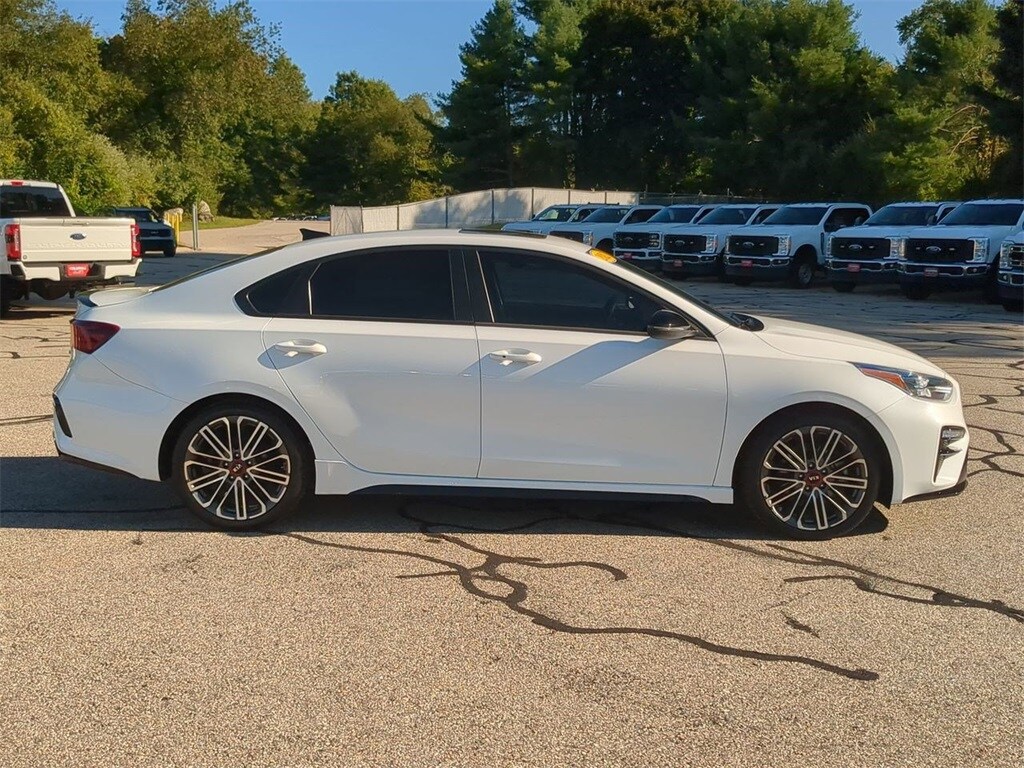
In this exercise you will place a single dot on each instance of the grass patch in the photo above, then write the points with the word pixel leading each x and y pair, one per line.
pixel 221 222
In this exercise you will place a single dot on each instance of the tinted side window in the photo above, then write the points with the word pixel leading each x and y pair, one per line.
pixel 405 284
pixel 284 293
pixel 762 215
pixel 844 217
pixel 535 290
pixel 638 217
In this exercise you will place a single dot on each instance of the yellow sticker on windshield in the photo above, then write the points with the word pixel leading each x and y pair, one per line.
pixel 602 255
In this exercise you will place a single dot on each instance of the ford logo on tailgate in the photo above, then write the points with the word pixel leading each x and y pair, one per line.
pixel 78 236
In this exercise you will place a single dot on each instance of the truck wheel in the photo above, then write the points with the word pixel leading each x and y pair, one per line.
pixel 802 271
pixel 915 292
pixel 6 295
pixel 170 252
pixel 844 287
pixel 1013 306
pixel 991 290
pixel 742 282
pixel 606 246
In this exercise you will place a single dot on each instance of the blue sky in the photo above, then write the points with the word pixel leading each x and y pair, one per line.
pixel 414 44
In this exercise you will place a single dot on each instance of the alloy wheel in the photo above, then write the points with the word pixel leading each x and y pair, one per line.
pixel 814 478
pixel 237 468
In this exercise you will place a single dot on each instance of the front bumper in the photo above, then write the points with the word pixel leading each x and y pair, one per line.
pixel 695 264
pixel 1011 285
pixel 861 272
pixel 642 257
pixel 953 277
pixel 757 267
pixel 157 243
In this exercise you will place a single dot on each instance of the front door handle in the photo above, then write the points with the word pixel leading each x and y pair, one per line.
pixel 509 356
pixel 300 347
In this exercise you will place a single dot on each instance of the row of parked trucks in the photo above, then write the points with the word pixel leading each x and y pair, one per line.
pixel 921 246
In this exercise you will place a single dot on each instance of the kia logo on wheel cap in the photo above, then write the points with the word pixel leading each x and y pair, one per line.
pixel 78 236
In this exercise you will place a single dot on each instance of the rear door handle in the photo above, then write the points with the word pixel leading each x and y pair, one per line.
pixel 300 347
pixel 509 356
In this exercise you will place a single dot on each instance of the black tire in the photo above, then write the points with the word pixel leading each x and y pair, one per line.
pixel 1013 306
pixel 915 292
pixel 844 287
pixel 770 488
pixel 170 252
pixel 195 454
pixel 991 289
pixel 742 282
pixel 801 273
pixel 6 295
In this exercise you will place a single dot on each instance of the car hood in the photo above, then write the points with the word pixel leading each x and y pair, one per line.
pixel 883 230
pixel 816 341
pixel 939 232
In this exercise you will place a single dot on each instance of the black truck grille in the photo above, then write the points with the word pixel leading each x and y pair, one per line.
pixel 637 240
pixel 577 236
pixel 753 245
pixel 865 248
pixel 940 251
pixel 685 243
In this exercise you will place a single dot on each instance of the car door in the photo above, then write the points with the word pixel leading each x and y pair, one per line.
pixel 382 355
pixel 574 390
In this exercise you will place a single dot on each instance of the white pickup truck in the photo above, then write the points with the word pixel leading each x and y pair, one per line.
pixel 789 244
pixel 962 251
pixel 50 252
pixel 640 243
pixel 1011 273
pixel 696 249
pixel 598 228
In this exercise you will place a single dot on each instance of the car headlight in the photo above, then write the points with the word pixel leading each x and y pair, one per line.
pixel 588 238
pixel 828 245
pixel 897 247
pixel 920 385
pixel 783 249
pixel 1004 254
pixel 710 244
pixel 980 248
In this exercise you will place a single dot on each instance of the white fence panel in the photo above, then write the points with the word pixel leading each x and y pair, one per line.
pixel 470 209
pixel 428 214
pixel 512 204
pixel 346 220
pixel 380 219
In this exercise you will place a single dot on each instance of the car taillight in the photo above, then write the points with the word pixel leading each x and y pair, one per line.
pixel 136 243
pixel 89 335
pixel 12 241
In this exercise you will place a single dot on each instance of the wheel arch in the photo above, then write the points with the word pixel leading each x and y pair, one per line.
pixel 884 447
pixel 238 398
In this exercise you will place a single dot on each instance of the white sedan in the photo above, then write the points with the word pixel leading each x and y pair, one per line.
pixel 493 363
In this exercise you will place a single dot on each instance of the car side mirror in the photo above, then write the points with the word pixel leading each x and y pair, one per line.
pixel 669 325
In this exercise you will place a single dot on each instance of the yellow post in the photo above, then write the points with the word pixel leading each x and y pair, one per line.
pixel 174 220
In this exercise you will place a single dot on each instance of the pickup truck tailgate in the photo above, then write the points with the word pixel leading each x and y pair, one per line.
pixel 49 240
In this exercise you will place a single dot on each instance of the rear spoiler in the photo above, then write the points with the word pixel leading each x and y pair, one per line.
pixel 110 296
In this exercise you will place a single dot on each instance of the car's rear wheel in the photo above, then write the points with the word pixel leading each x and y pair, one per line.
pixel 240 467
pixel 810 476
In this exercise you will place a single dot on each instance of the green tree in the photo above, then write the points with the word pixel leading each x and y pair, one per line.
pixel 484 127
pixel 1003 99
pixel 371 148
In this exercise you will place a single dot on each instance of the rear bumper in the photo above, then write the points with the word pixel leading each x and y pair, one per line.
pixel 861 272
pixel 98 272
pixel 115 424
pixel 1011 285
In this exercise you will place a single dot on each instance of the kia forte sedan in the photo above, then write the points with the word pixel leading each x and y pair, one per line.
pixel 493 363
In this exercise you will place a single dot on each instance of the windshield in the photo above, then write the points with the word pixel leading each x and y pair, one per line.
pixel 638 271
pixel 606 216
pixel 143 216
pixel 25 202
pixel 555 213
pixel 990 214
pixel 791 214
pixel 582 213
pixel 728 216
pixel 902 215
pixel 675 214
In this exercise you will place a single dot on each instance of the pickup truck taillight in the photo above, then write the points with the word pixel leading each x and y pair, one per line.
pixel 89 335
pixel 136 243
pixel 12 241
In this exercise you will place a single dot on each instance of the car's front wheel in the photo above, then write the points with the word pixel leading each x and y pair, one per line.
pixel 240 467
pixel 812 475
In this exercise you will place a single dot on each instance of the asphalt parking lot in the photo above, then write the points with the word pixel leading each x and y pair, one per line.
pixel 417 632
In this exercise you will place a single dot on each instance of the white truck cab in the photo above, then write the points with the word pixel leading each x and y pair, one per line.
pixel 551 217
pixel 49 251
pixel 1011 273
pixel 870 253
pixel 695 249
pixel 961 252
pixel 790 244
pixel 640 243
pixel 598 228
